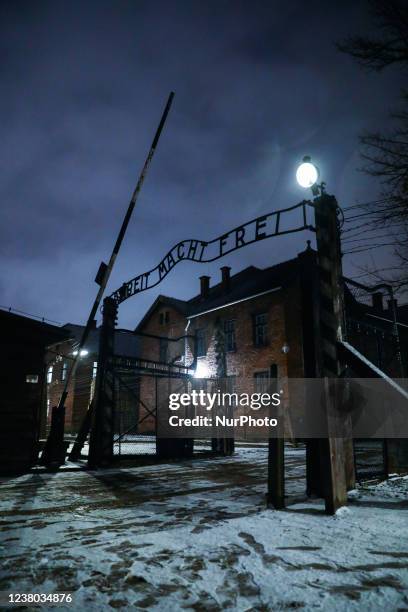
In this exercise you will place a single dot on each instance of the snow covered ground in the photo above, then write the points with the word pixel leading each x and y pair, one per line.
pixel 196 536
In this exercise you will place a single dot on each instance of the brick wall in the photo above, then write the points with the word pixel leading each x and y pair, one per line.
pixel 284 321
pixel 79 389
pixel 283 308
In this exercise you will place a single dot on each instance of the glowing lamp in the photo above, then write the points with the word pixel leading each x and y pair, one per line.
pixel 307 174
pixel 82 353
pixel 202 370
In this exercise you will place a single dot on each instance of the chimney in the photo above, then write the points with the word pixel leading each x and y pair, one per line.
pixel 391 304
pixel 204 286
pixel 377 300
pixel 225 278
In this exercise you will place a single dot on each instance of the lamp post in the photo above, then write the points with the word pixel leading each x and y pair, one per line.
pixel 327 212
pixel 330 469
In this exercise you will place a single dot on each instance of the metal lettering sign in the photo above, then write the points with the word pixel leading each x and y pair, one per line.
pixel 201 251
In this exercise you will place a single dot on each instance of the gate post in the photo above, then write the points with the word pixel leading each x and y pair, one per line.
pixel 336 456
pixel 275 496
pixel 224 445
pixel 102 428
pixel 55 448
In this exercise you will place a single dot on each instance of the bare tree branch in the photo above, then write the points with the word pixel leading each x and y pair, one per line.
pixel 385 155
pixel 391 47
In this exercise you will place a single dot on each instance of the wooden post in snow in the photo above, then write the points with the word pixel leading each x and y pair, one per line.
pixel 335 450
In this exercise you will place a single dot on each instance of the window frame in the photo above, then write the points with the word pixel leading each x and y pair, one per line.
pixel 203 340
pixel 262 375
pixel 228 334
pixel 256 326
pixel 164 317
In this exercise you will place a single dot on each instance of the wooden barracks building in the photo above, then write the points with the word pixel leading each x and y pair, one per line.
pixel 23 371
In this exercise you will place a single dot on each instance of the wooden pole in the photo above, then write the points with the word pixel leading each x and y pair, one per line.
pixel 102 428
pixel 275 496
pixel 335 454
pixel 276 473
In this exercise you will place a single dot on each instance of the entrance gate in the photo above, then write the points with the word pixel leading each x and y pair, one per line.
pixel 132 394
pixel 333 454
pixel 141 389
pixel 117 431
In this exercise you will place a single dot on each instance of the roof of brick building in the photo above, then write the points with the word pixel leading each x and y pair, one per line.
pixel 253 281
pixel 246 283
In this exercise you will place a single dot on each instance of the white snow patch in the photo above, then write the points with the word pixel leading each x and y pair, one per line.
pixel 342 512
pixel 195 535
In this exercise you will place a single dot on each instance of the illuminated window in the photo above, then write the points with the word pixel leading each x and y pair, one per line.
pixel 94 369
pixel 64 370
pixel 32 378
pixel 49 375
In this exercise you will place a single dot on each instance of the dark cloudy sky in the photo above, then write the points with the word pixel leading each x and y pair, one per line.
pixel 83 83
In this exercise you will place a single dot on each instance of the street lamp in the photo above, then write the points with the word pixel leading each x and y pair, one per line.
pixel 328 304
pixel 307 175
pixel 202 370
pixel 82 353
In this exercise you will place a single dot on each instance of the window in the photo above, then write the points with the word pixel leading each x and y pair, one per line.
pixel 229 332
pixel 64 370
pixel 200 343
pixel 49 375
pixel 260 329
pixel 262 382
pixel 32 378
pixel 164 317
pixel 94 369
pixel 163 350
